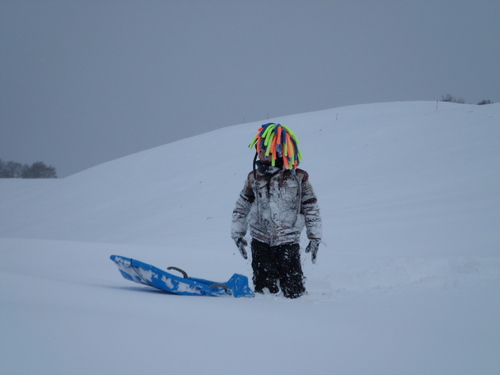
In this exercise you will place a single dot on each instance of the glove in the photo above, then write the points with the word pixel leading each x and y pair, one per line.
pixel 241 243
pixel 313 249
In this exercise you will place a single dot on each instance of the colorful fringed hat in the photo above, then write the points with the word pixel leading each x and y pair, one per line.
pixel 278 141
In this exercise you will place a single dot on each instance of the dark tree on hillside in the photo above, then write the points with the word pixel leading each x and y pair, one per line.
pixel 483 102
pixel 451 99
pixel 38 169
pixel 10 169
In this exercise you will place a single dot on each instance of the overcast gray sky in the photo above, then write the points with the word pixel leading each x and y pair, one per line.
pixel 86 81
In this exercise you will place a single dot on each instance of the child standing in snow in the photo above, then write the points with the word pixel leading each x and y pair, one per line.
pixel 277 201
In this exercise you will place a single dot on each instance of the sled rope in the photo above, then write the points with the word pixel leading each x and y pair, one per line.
pixel 138 274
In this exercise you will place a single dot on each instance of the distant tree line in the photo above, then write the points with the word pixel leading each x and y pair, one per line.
pixel 12 169
pixel 452 99
pixel 483 102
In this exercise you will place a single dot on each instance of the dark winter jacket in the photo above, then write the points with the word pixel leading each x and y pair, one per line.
pixel 277 207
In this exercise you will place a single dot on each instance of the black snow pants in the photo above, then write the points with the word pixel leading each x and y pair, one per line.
pixel 276 267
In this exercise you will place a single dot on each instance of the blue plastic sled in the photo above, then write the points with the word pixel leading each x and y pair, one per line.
pixel 143 273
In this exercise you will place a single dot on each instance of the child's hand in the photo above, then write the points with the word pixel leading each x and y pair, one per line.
pixel 313 249
pixel 241 243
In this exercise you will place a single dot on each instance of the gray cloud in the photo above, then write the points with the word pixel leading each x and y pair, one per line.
pixel 83 82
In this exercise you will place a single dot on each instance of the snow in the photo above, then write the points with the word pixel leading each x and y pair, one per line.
pixel 408 282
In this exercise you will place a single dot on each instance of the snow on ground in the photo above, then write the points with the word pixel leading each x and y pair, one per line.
pixel 408 281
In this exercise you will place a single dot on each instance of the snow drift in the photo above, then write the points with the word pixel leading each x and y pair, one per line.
pixel 407 284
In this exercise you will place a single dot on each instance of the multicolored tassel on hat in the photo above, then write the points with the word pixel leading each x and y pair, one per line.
pixel 278 141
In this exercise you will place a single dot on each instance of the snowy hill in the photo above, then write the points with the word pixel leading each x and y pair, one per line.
pixel 407 284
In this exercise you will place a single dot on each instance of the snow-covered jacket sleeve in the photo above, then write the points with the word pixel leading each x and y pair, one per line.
pixel 241 210
pixel 310 210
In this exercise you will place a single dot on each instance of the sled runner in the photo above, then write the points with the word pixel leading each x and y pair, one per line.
pixel 143 273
